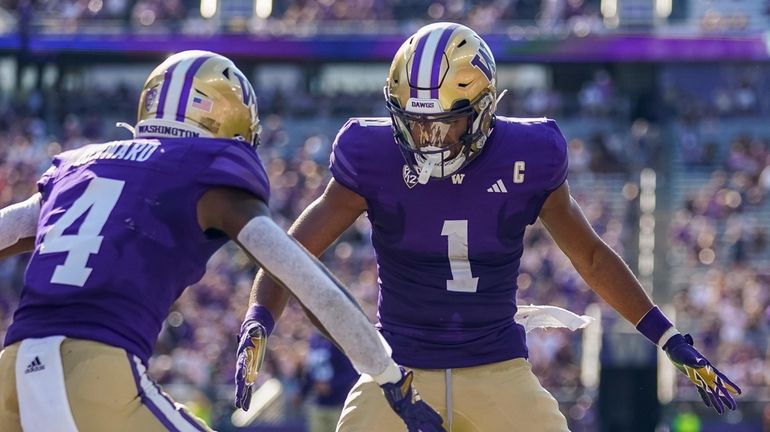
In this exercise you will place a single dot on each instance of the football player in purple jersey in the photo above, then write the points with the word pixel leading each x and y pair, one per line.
pixel 120 229
pixel 449 188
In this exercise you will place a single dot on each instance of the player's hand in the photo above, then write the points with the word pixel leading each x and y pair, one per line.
pixel 714 387
pixel 252 341
pixel 407 403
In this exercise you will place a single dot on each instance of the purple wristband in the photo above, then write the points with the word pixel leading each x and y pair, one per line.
pixel 261 315
pixel 653 325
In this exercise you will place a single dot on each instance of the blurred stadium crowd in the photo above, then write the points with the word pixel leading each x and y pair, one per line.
pixel 182 15
pixel 520 18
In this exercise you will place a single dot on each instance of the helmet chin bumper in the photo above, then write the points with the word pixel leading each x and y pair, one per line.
pixel 436 165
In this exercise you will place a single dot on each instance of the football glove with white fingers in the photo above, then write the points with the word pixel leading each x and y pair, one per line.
pixel 715 388
pixel 407 403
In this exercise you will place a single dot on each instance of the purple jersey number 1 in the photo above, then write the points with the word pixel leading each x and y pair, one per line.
pixel 457 237
pixel 98 200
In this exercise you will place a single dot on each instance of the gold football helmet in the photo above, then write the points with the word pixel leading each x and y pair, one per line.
pixel 441 94
pixel 198 93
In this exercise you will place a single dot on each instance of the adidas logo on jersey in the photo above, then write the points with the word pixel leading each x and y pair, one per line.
pixel 498 187
pixel 34 366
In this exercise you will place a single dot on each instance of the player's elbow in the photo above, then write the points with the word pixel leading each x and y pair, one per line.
pixel 19 220
pixel 229 210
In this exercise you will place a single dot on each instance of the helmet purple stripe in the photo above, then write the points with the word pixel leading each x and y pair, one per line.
pixel 181 109
pixel 164 90
pixel 437 58
pixel 416 65
pixel 244 89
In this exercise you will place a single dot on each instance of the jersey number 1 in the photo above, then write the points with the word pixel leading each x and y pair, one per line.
pixel 98 200
pixel 457 236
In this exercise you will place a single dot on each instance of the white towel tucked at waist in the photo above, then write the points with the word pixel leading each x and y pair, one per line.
pixel 43 403
pixel 546 316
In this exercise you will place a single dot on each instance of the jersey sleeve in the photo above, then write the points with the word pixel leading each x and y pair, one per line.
pixel 237 166
pixel 552 153
pixel 344 162
pixel 44 183
pixel 557 157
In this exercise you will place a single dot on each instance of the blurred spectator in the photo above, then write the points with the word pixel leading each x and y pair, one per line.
pixel 328 377
pixel 596 97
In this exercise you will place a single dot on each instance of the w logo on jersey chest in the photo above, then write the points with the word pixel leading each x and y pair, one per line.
pixel 458 178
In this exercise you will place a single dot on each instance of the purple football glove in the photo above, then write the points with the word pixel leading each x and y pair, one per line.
pixel 714 387
pixel 252 341
pixel 407 403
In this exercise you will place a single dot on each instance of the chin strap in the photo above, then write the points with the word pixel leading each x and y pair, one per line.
pixel 500 96
pixel 427 164
pixel 426 168
pixel 127 126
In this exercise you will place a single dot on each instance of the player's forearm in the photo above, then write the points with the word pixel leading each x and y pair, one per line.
pixel 305 230
pixel 319 225
pixel 268 300
pixel 269 296
pixel 315 288
pixel 268 293
pixel 19 221
pixel 613 281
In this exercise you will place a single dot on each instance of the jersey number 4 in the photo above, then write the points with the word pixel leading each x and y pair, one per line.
pixel 457 237
pixel 97 201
